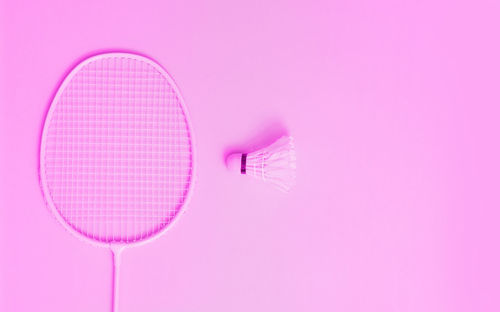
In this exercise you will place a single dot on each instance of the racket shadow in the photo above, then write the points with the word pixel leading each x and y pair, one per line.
pixel 152 168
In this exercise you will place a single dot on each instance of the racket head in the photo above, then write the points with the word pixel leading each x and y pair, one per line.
pixel 155 157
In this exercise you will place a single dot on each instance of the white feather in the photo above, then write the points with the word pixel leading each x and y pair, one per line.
pixel 275 163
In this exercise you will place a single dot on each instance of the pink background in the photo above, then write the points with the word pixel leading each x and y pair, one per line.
pixel 395 110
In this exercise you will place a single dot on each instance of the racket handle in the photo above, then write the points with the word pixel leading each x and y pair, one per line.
pixel 116 251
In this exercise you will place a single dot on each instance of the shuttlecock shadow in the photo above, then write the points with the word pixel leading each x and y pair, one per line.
pixel 262 136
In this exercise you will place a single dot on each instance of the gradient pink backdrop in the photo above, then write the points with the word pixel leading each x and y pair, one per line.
pixel 395 110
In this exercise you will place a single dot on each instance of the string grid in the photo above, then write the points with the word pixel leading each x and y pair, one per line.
pixel 118 158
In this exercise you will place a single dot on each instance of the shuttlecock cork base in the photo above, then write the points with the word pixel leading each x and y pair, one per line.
pixel 274 164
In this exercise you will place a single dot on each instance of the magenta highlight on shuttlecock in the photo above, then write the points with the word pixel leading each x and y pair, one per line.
pixel 274 164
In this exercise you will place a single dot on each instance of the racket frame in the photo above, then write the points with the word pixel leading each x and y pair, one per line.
pixel 116 247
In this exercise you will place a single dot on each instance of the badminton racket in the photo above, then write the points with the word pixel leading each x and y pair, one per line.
pixel 116 158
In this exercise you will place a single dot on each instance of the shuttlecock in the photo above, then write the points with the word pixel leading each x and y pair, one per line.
pixel 274 164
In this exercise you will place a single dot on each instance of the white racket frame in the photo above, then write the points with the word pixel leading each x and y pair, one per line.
pixel 115 247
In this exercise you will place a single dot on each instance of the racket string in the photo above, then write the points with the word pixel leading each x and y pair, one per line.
pixel 118 153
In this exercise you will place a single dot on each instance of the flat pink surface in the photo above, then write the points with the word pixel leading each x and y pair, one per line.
pixel 395 111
